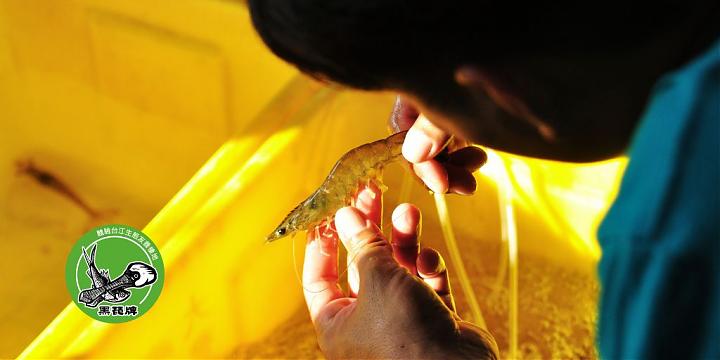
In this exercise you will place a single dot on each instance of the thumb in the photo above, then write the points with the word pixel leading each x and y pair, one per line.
pixel 364 242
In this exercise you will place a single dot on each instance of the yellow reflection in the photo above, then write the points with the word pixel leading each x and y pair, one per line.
pixel 218 202
pixel 570 199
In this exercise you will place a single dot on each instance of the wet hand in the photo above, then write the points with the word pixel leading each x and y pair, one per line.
pixel 399 303
pixel 444 164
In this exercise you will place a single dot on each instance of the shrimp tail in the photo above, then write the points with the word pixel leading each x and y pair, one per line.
pixel 394 143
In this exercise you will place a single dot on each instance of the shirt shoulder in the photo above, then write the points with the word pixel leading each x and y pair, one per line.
pixel 671 183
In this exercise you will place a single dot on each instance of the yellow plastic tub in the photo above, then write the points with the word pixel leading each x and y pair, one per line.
pixel 228 294
pixel 125 100
pixel 121 100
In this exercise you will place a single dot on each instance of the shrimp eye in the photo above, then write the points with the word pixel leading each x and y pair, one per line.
pixel 281 231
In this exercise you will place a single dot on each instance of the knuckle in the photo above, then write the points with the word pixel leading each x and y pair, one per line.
pixel 373 255
pixel 365 240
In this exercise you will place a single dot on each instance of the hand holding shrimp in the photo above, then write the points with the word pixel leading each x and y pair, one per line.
pixel 364 165
pixel 444 163
pixel 399 305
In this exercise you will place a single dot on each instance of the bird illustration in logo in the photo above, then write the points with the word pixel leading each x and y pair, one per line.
pixel 136 275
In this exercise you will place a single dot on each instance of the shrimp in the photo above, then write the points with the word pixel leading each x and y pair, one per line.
pixel 359 166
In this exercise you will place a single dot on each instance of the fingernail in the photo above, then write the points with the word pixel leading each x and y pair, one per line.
pixel 349 223
pixel 404 216
pixel 416 147
pixel 434 177
pixel 436 185
pixel 401 219
pixel 365 197
pixel 430 262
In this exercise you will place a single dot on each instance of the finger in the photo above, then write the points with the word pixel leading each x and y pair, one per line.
pixel 470 158
pixel 403 115
pixel 369 201
pixel 431 268
pixel 460 180
pixel 353 278
pixel 433 174
pixel 364 242
pixel 406 222
pixel 423 141
pixel 320 273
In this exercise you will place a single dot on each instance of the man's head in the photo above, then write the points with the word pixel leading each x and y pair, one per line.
pixel 517 77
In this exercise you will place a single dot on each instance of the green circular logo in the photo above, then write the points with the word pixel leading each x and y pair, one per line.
pixel 114 273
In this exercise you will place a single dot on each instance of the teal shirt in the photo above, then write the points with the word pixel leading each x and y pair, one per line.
pixel 660 279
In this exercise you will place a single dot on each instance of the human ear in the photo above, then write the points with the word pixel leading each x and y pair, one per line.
pixel 479 81
pixel 470 76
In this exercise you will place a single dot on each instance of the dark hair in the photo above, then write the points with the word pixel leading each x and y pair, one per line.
pixel 416 45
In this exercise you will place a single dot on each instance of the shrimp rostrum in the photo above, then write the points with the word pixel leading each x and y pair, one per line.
pixel 358 167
